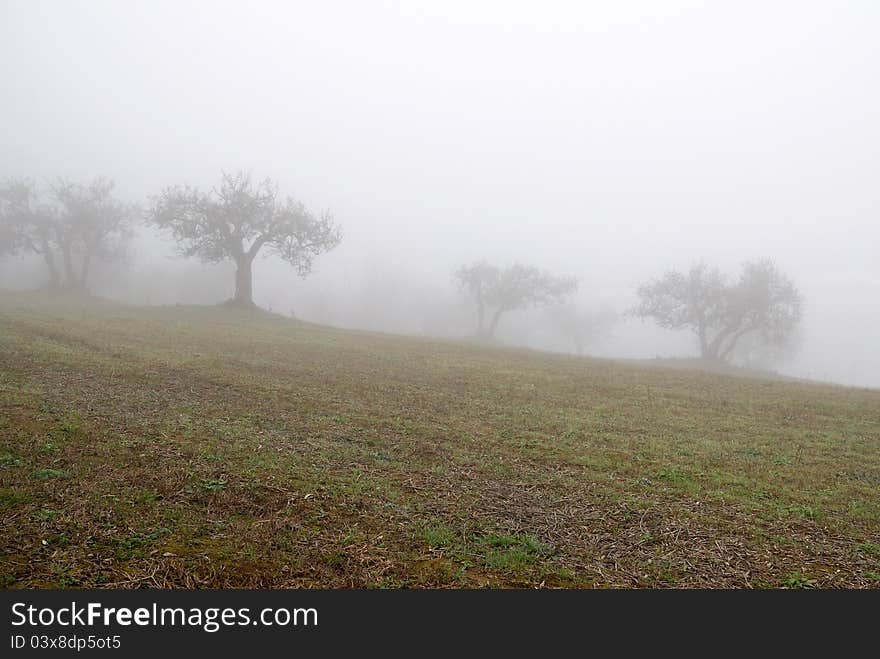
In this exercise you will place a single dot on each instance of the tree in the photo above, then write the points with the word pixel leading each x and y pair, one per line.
pixel 92 225
pixel 582 326
pixel 762 304
pixel 238 220
pixel 74 225
pixel 479 280
pixel 506 289
pixel 27 225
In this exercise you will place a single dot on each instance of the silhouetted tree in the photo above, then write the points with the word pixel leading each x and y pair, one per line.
pixel 505 289
pixel 236 221
pixel 75 225
pixel 762 302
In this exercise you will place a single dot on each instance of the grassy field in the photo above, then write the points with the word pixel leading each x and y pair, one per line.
pixel 205 447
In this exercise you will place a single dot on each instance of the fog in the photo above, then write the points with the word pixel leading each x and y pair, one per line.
pixel 606 141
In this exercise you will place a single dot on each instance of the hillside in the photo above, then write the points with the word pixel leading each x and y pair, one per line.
pixel 204 447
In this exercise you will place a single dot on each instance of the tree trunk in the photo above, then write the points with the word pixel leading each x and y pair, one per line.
pixel 54 275
pixel 84 271
pixel 707 352
pixel 49 257
pixel 70 278
pixel 713 348
pixel 244 282
pixel 704 343
pixel 733 341
pixel 481 318
pixel 710 354
pixel 491 333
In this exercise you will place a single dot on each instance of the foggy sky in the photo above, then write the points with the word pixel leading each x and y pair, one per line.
pixel 610 141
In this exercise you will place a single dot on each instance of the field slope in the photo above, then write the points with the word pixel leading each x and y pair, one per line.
pixel 204 447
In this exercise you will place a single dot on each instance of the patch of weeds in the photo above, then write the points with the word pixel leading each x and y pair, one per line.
pixel 562 574
pixel 60 540
pixel 133 545
pixel 212 484
pixel 378 456
pixel 147 496
pixel 803 511
pixel 437 536
pixel 46 515
pixel 392 583
pixel 798 580
pixel 680 479
pixel 65 428
pixel 10 497
pixel 134 442
pixel 46 474
pixel 47 409
pixel 66 580
pixel 672 476
pixel 513 552
pixel 334 559
pixel 869 548
pixel 863 510
pixel 7 461
pixel 270 461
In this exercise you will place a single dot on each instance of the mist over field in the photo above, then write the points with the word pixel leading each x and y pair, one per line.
pixel 609 142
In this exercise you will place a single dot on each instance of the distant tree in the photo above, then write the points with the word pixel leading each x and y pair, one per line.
pixel 93 225
pixel 236 221
pixel 479 280
pixel 582 326
pixel 505 289
pixel 72 226
pixel 27 224
pixel 762 304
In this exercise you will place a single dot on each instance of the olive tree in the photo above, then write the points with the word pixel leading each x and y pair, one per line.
pixel 70 226
pixel 499 290
pixel 762 304
pixel 237 221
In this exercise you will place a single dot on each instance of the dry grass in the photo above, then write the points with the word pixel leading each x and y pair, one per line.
pixel 204 447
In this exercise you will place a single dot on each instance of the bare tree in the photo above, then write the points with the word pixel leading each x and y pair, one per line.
pixel 72 227
pixel 762 302
pixel 237 220
pixel 506 289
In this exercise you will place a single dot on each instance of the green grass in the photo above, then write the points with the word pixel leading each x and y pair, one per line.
pixel 44 474
pixel 209 447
